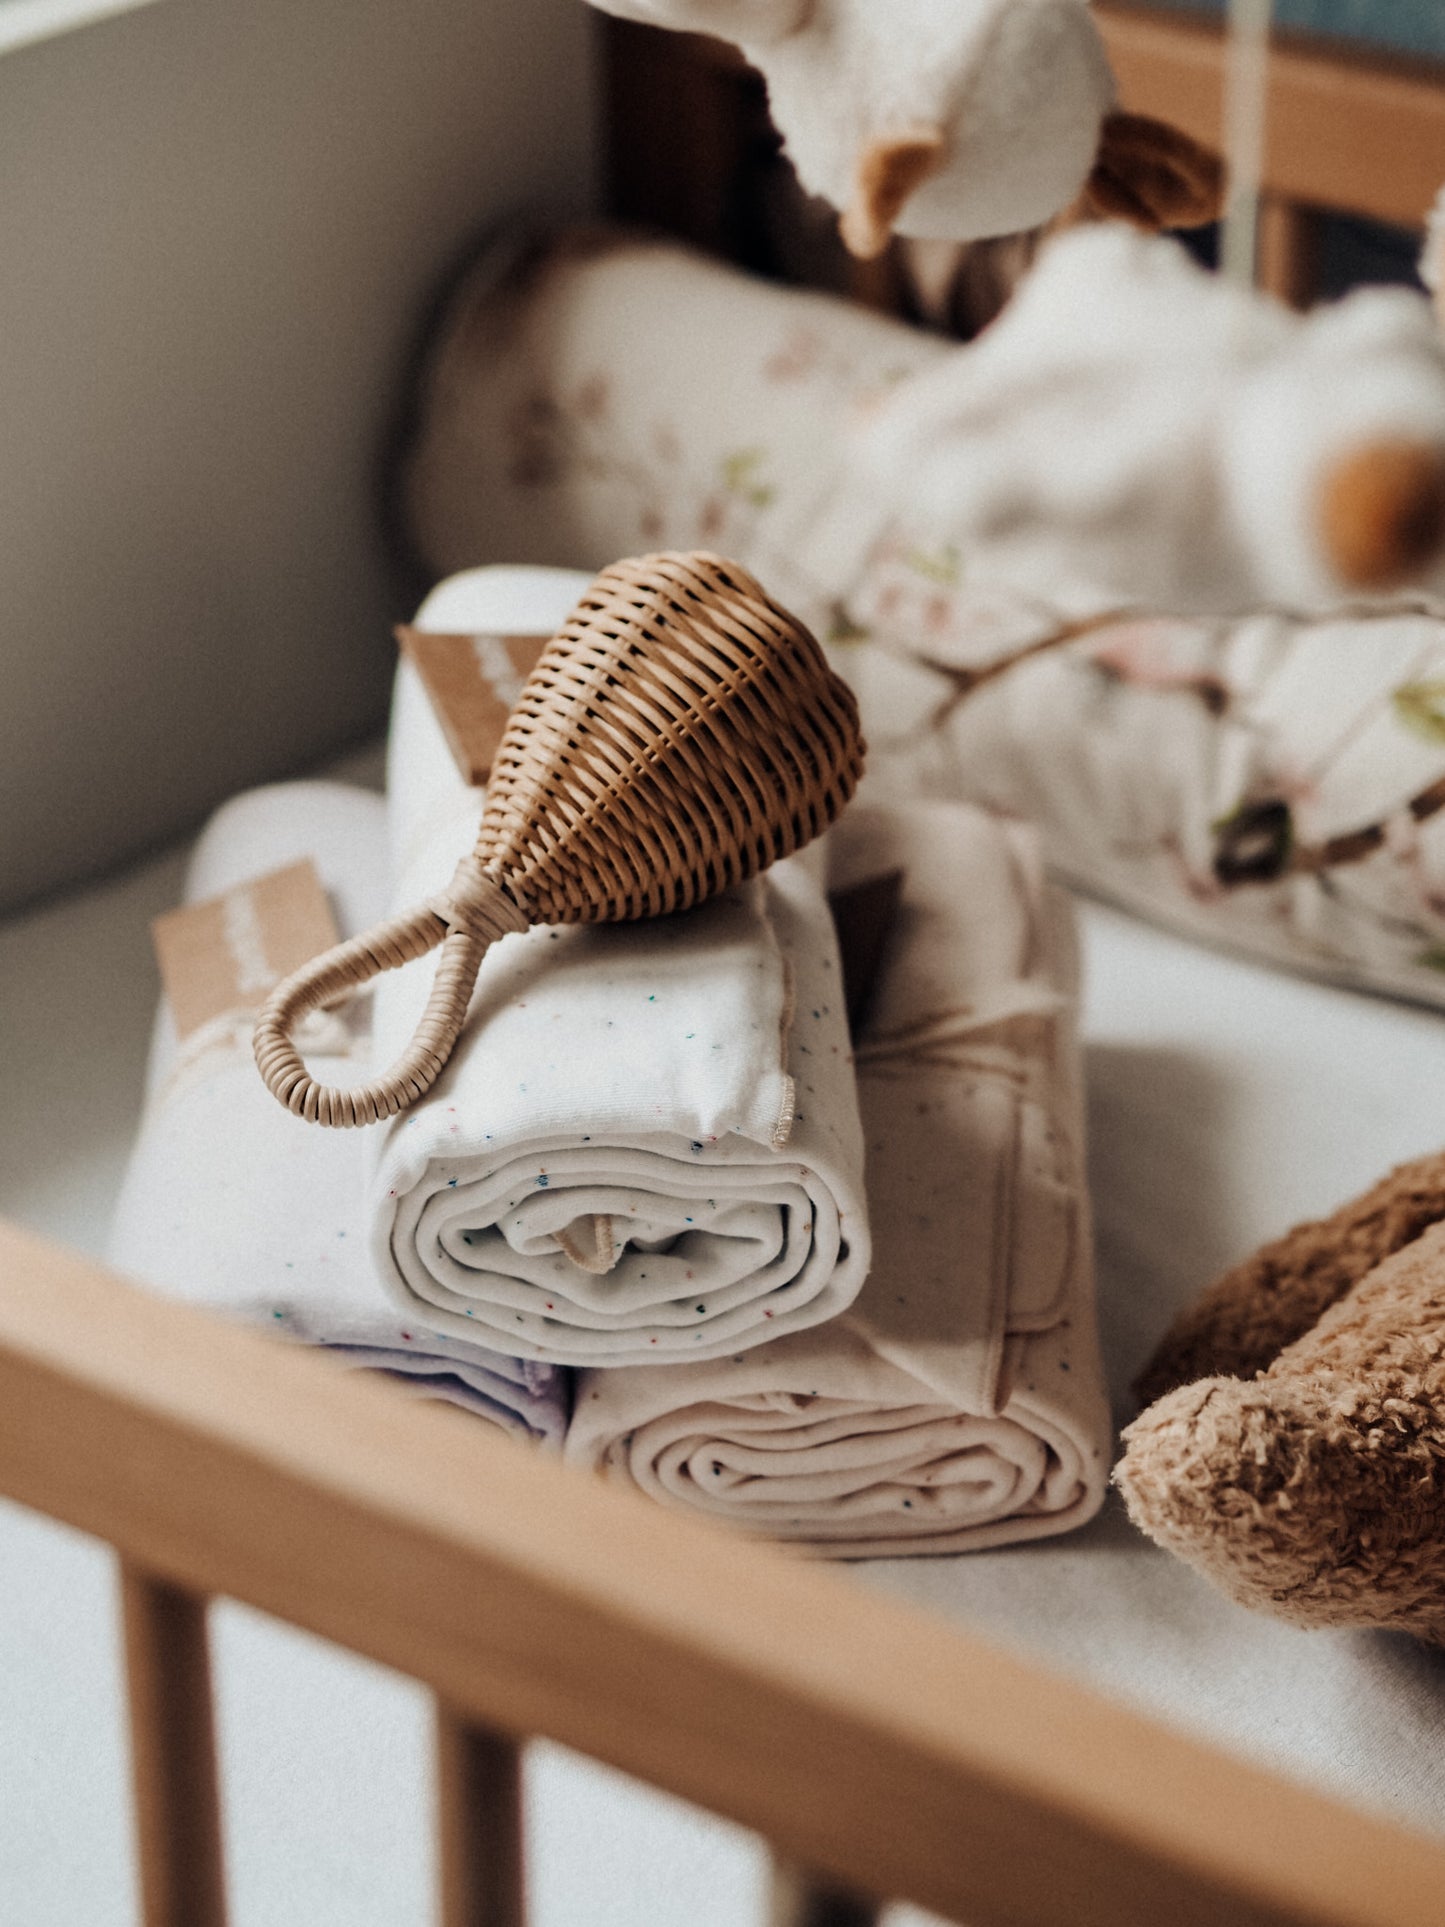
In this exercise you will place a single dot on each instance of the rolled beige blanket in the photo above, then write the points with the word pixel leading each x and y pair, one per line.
pixel 960 1402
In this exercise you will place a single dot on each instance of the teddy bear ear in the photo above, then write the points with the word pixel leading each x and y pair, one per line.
pixel 1151 175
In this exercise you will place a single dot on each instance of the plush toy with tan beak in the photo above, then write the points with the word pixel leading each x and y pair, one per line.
pixel 942 119
pixel 1294 1451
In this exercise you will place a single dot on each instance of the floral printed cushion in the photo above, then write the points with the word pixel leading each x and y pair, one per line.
pixel 1276 786
pixel 1272 784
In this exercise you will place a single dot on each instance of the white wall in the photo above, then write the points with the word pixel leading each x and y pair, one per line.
pixel 219 224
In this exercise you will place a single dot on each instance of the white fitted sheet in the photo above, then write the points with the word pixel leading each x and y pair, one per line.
pixel 1225 1101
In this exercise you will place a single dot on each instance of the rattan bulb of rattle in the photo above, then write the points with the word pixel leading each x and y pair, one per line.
pixel 680 733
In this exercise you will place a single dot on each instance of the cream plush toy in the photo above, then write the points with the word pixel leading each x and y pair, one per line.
pixel 1135 431
pixel 943 119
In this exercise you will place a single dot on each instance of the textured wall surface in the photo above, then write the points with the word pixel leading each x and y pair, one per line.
pixel 220 223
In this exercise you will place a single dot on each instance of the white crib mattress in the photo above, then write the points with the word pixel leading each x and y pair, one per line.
pixel 1225 1102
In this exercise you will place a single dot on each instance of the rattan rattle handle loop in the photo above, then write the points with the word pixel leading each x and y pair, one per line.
pixel 679 733
pixel 465 921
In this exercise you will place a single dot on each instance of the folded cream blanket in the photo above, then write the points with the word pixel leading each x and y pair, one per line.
pixel 233 1204
pixel 960 1402
pixel 647 1142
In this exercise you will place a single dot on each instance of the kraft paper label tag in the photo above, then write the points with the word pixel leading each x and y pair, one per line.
pixel 227 954
pixel 473 683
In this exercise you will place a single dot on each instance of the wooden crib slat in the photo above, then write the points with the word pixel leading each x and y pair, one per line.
pixel 1289 250
pixel 480 1859
pixel 799 1899
pixel 173 1753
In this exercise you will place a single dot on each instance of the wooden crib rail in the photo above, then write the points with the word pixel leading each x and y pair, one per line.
pixel 867 1741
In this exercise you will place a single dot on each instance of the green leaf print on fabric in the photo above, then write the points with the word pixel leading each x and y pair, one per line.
pixel 943 566
pixel 844 627
pixel 740 477
pixel 1420 706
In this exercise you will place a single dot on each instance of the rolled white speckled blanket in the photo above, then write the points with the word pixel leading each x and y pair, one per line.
pixel 232 1204
pixel 960 1402
pixel 646 1143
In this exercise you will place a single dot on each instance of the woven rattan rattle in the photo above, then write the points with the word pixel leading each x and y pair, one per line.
pixel 680 733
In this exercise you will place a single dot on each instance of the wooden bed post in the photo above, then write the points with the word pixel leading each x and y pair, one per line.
pixel 1289 250
pixel 799 1899
pixel 173 1753
pixel 481 1868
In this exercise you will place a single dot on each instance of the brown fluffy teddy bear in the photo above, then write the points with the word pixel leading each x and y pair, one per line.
pixel 1294 1448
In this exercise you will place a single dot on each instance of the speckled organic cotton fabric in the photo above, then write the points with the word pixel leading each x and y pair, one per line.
pixel 646 1144
pixel 960 1402
pixel 235 1205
